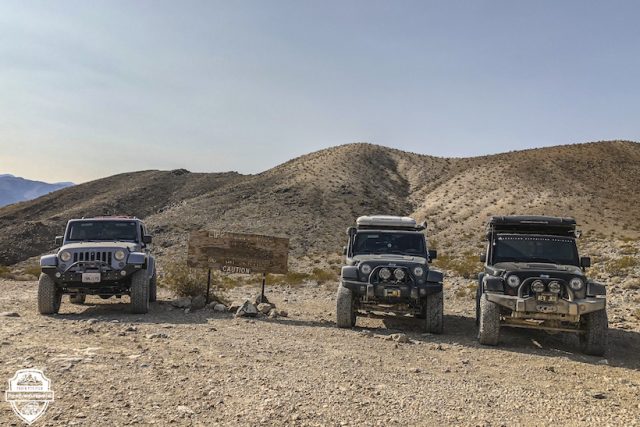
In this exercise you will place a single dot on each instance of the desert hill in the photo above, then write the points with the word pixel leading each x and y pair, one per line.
pixel 313 198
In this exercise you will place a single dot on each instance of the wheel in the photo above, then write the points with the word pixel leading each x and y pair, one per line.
pixel 140 292
pixel 478 296
pixel 77 299
pixel 49 296
pixel 345 308
pixel 153 288
pixel 596 327
pixel 489 326
pixel 433 321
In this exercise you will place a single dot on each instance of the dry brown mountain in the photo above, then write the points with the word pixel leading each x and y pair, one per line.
pixel 313 198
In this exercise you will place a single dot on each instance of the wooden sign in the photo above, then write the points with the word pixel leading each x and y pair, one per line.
pixel 238 253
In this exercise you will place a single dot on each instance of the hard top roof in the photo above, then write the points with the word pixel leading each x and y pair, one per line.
pixel 389 222
pixel 107 218
pixel 531 224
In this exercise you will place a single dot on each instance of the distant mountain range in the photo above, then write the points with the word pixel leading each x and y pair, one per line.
pixel 14 189
pixel 314 198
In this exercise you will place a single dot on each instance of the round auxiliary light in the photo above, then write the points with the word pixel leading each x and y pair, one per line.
pixel 418 271
pixel 365 269
pixel 513 281
pixel 554 287
pixel 537 286
pixel 576 284
pixel 399 274
pixel 385 274
pixel 119 255
pixel 123 273
pixel 65 256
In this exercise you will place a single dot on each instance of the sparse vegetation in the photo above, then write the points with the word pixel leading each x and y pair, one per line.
pixel 620 266
pixel 5 273
pixel 183 280
pixel 466 265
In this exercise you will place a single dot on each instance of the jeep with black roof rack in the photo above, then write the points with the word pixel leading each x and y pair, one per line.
pixel 534 278
pixel 104 255
pixel 387 271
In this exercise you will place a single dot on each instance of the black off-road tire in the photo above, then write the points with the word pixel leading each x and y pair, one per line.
pixel 153 288
pixel 489 327
pixel 49 296
pixel 434 319
pixel 345 308
pixel 478 296
pixel 77 299
pixel 140 292
pixel 596 328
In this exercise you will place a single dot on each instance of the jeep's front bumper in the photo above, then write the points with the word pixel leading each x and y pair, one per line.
pixel 68 278
pixel 391 292
pixel 531 308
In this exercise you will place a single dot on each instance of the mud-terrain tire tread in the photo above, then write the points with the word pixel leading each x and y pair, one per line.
pixel 153 288
pixel 489 327
pixel 140 292
pixel 596 326
pixel 478 296
pixel 49 296
pixel 434 320
pixel 77 299
pixel 345 310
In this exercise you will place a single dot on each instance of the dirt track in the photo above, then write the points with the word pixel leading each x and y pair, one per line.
pixel 107 369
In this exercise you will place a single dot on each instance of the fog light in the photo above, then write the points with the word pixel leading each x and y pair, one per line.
pixel 58 274
pixel 123 273
pixel 399 274
pixel 537 286
pixel 385 274
pixel 423 291
pixel 554 287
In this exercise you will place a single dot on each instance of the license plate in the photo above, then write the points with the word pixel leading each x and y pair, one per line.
pixel 394 293
pixel 90 277
pixel 548 297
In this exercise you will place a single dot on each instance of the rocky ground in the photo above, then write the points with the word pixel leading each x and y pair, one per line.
pixel 109 367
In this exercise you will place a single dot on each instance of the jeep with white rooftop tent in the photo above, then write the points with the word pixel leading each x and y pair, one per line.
pixel 534 278
pixel 387 271
pixel 105 256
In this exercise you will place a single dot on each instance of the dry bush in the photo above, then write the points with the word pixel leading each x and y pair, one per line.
pixel 620 266
pixel 183 280
pixel 323 276
pixel 5 272
pixel 466 265
pixel 33 269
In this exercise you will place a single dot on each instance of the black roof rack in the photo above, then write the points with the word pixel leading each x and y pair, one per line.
pixel 529 224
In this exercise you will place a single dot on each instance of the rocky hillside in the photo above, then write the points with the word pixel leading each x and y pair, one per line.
pixel 14 189
pixel 313 198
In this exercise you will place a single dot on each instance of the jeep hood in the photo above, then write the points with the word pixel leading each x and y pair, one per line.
pixel 390 258
pixel 536 267
pixel 86 246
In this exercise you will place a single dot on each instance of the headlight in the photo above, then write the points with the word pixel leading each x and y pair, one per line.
pixel 65 256
pixel 385 274
pixel 513 281
pixel 119 255
pixel 399 274
pixel 418 271
pixel 576 284
pixel 554 287
pixel 537 286
pixel 365 269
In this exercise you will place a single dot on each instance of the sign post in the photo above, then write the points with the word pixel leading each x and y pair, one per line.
pixel 238 253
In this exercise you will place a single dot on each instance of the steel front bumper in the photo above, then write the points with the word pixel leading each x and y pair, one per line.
pixel 390 292
pixel 67 278
pixel 529 307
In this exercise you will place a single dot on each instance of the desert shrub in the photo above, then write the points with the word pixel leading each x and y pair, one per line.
pixel 466 265
pixel 292 278
pixel 322 276
pixel 633 284
pixel 620 266
pixel 5 272
pixel 33 269
pixel 183 280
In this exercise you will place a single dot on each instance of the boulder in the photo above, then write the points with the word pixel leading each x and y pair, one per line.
pixel 184 302
pixel 265 308
pixel 198 302
pixel 247 309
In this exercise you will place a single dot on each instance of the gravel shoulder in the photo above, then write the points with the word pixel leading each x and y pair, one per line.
pixel 109 367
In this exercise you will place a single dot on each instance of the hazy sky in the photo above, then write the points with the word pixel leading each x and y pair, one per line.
pixel 93 88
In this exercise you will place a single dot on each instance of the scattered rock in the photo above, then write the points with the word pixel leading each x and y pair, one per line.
pixel 184 302
pixel 273 314
pixel 366 333
pixel 185 410
pixel 283 313
pixel 220 308
pixel 198 302
pixel 265 307
pixel 400 338
pixel 157 335
pixel 247 310
pixel 9 314
pixel 599 396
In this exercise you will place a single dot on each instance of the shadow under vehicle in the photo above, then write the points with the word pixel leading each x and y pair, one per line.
pixel 387 271
pixel 534 278
pixel 105 256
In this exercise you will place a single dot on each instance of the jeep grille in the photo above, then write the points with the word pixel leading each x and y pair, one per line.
pixel 104 256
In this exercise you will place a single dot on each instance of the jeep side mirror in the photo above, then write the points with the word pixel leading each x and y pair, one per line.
pixel 433 254
pixel 344 250
pixel 147 239
pixel 585 262
pixel 59 240
pixel 483 257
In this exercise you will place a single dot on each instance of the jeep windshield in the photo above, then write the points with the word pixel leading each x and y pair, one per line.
pixel 371 243
pixel 535 248
pixel 101 231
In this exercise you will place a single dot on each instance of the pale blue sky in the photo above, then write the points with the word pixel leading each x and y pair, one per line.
pixel 93 88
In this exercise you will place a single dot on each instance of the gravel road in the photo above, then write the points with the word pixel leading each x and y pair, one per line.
pixel 111 368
